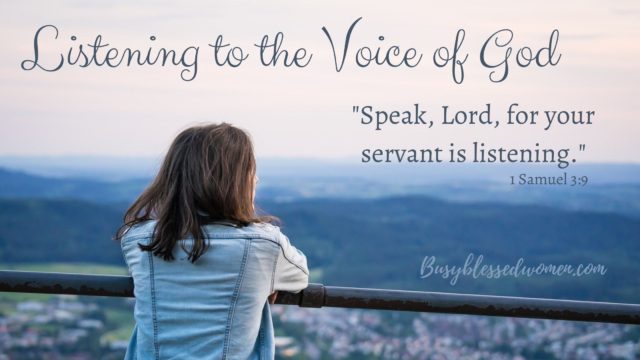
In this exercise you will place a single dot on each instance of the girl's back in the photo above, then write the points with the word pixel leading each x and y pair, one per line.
pixel 217 307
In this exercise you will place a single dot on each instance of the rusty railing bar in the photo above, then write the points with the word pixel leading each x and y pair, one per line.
pixel 318 295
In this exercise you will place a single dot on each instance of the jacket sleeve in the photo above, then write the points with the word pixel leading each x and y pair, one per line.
pixel 291 273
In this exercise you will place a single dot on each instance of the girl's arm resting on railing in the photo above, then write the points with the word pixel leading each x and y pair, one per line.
pixel 291 272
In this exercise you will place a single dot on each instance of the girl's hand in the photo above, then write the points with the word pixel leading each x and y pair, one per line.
pixel 272 298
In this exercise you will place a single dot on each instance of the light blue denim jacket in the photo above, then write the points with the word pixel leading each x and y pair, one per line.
pixel 216 308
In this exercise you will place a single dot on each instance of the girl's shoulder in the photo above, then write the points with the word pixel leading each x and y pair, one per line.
pixel 253 230
pixel 139 230
pixel 262 230
pixel 265 226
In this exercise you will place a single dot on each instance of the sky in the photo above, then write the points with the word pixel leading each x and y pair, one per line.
pixel 307 112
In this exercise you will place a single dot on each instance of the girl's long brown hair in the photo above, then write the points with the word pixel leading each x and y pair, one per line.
pixel 207 175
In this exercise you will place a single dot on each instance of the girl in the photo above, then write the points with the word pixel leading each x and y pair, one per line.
pixel 205 266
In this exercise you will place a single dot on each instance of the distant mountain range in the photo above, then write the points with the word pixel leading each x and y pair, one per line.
pixel 357 232
pixel 16 184
pixel 377 242
pixel 623 197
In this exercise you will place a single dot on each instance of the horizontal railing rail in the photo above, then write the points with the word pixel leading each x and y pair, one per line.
pixel 318 295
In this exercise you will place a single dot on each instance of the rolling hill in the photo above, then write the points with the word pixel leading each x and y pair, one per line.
pixel 377 242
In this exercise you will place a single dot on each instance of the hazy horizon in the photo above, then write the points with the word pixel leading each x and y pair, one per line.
pixel 116 168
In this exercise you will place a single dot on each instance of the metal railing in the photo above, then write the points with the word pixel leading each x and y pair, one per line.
pixel 318 295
